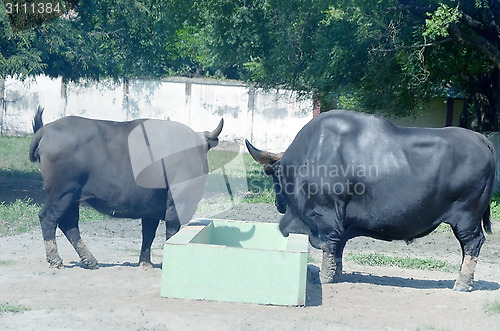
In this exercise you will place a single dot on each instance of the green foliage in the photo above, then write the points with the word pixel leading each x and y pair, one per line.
pixel 371 56
pixel 260 186
pixel 377 259
pixel 12 308
pixel 22 216
pixel 17 56
pixel 495 207
pixel 18 217
pixel 438 23
pixel 14 160
pixel 6 262
pixel 94 40
pixel 492 307
pixel 388 56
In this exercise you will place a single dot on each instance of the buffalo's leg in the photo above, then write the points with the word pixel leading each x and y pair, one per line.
pixel 172 226
pixel 48 224
pixel 331 267
pixel 69 226
pixel 49 217
pixel 471 239
pixel 172 222
pixel 149 226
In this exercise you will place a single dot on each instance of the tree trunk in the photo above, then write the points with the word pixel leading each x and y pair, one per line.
pixel 481 110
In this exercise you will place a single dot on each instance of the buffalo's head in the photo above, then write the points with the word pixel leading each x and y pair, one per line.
pixel 291 222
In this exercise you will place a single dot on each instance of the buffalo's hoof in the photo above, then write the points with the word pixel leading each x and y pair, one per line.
pixel 55 263
pixel 329 277
pixel 462 286
pixel 90 264
pixel 145 265
pixel 464 283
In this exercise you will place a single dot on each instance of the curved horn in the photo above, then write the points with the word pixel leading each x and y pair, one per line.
pixel 263 157
pixel 215 133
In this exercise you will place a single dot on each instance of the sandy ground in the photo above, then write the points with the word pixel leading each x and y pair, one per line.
pixel 122 296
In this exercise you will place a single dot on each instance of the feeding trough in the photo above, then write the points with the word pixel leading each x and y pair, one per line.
pixel 235 261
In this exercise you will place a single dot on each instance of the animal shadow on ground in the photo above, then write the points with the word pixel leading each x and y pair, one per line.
pixel 356 277
pixel 314 294
pixel 75 264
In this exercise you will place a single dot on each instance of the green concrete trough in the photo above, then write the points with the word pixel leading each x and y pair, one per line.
pixel 235 261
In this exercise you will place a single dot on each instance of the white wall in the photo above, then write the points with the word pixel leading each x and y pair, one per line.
pixel 270 119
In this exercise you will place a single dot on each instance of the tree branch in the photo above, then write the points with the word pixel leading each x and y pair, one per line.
pixel 476 42
pixel 412 46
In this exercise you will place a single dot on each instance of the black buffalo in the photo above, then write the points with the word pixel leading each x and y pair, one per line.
pixel 85 160
pixel 348 174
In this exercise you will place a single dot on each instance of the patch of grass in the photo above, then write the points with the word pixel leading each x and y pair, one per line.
pixel 377 259
pixel 12 308
pixel 6 262
pixel 266 196
pixel 88 214
pixel 430 328
pixel 213 205
pixel 311 259
pixel 14 158
pixel 131 250
pixel 242 169
pixel 492 307
pixel 22 216
pixel 18 217
pixel 442 228
pixel 260 185
pixel 495 207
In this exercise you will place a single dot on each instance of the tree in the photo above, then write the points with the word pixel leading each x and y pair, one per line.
pixel 470 36
pixel 389 55
pixel 95 40
pixel 16 53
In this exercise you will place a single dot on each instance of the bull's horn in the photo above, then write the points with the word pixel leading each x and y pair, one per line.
pixel 215 133
pixel 263 157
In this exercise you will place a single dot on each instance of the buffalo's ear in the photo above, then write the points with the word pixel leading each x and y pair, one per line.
pixel 268 169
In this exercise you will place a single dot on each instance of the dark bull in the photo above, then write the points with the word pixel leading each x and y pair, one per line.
pixel 420 178
pixel 149 169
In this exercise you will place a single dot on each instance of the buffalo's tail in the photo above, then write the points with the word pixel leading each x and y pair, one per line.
pixel 38 133
pixel 487 220
pixel 37 120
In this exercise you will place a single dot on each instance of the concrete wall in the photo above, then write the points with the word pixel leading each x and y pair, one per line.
pixel 270 119
pixel 433 115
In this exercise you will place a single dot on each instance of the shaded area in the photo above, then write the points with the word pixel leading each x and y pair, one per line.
pixel 314 292
pixel 356 277
pixel 14 188
pixel 78 264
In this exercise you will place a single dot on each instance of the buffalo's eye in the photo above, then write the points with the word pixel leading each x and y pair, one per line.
pixel 315 213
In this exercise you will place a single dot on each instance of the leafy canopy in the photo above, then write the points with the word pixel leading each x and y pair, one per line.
pixel 385 55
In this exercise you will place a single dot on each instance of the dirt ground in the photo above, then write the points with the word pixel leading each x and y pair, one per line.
pixel 121 296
